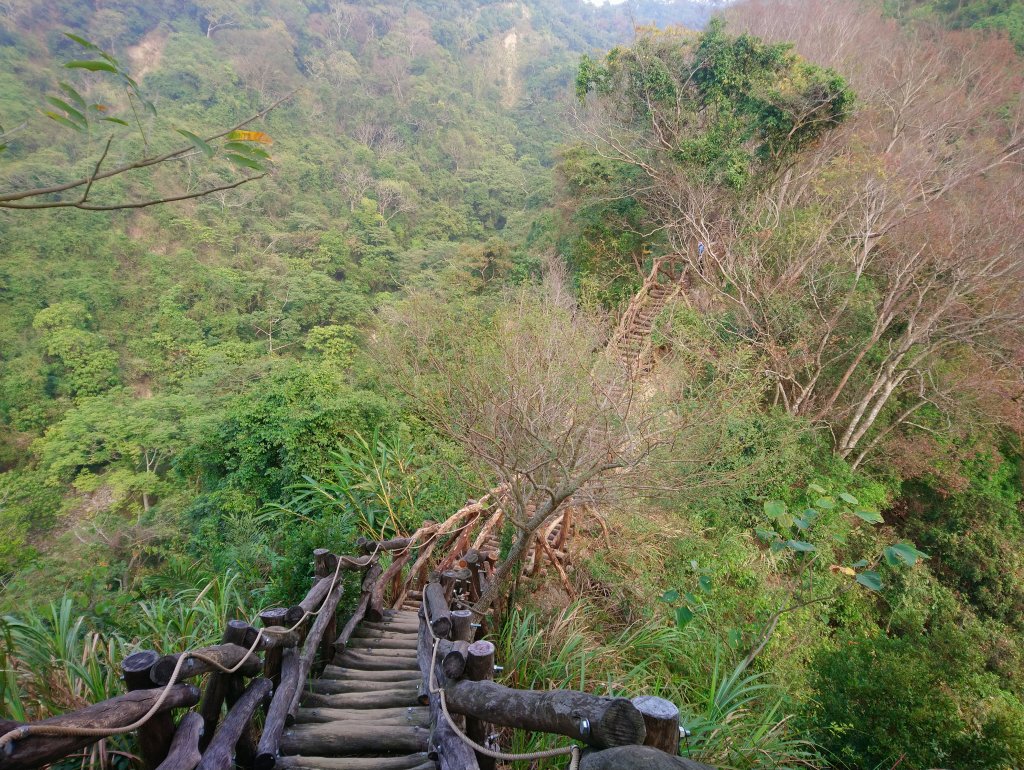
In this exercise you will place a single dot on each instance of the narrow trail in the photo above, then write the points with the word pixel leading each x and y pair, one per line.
pixel 365 711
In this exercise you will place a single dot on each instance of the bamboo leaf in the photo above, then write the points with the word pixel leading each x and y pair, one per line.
pixel 197 142
pixel 240 160
pixel 91 66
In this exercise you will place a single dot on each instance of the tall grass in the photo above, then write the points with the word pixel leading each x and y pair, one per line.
pixel 736 719
pixel 52 661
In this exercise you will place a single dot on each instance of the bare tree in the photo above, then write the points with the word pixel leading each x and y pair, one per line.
pixel 532 399
pixel 877 254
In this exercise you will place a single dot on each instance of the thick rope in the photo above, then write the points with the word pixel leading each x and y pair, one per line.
pixel 434 689
pixel 25 731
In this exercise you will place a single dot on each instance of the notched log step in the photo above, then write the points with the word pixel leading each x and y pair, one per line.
pixel 347 672
pixel 409 716
pixel 419 761
pixel 362 700
pixel 353 738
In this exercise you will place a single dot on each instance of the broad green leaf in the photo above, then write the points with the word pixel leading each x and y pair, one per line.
pixel 801 523
pixel 871 517
pixel 777 546
pixel 72 94
pixel 198 143
pixel 249 150
pixel 816 488
pixel 824 502
pixel 774 508
pixel 239 160
pixel 766 535
pixel 810 514
pixel 903 553
pixel 705 583
pixel 734 638
pixel 800 545
pixel 871 580
pixel 683 616
pixel 859 564
pixel 670 596
pixel 73 115
pixel 64 121
pixel 92 66
pixel 848 498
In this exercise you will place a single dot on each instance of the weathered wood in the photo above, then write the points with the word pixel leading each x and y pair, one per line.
pixel 480 668
pixel 462 625
pixel 395 626
pixel 324 565
pixel 155 736
pixel 362 643
pixel 245 748
pixel 412 716
pixel 313 639
pixel 628 757
pixel 448 748
pixel 353 738
pixel 328 686
pixel 217 685
pixel 351 674
pixel 453 663
pixel 311 601
pixel 342 641
pixel 184 752
pixel 661 718
pixel 395 544
pixel 378 699
pixel 226 655
pixel 410 762
pixel 219 755
pixel 488 529
pixel 375 610
pixel 37 750
pixel 275 618
pixel 437 610
pixel 274 638
pixel 277 715
pixel 377 662
pixel 613 721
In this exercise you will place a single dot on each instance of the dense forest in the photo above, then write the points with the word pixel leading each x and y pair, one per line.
pixel 741 283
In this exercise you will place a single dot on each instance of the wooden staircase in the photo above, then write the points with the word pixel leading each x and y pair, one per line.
pixel 366 711
pixel 631 342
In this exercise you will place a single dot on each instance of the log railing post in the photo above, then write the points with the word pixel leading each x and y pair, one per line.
pixel 324 565
pixel 272 658
pixel 462 625
pixel 156 735
pixel 662 720
pixel 217 687
pixel 480 667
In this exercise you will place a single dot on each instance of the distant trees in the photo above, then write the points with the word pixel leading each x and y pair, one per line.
pixel 78 112
pixel 867 251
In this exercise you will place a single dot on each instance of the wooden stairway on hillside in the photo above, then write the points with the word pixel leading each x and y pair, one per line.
pixel 631 343
pixel 365 712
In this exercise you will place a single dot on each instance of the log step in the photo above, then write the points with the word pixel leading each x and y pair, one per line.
pixel 362 643
pixel 411 762
pixel 378 662
pixel 414 716
pixel 379 699
pixel 334 685
pixel 345 672
pixel 339 738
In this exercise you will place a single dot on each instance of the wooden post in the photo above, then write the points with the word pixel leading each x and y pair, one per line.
pixel 277 714
pixel 437 610
pixel 272 659
pixel 662 720
pixel 480 668
pixel 324 565
pixel 647 757
pixel 155 736
pixel 462 625
pixel 184 752
pixel 219 755
pixel 217 686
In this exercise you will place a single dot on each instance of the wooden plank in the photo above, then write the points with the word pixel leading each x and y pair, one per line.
pixel 184 752
pixel 362 700
pixel 410 762
pixel 414 716
pixel 353 738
